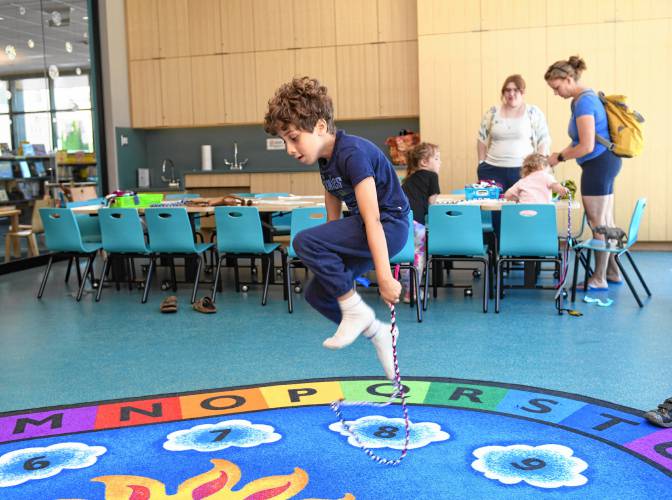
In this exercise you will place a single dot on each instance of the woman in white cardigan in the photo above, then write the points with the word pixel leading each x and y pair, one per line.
pixel 509 133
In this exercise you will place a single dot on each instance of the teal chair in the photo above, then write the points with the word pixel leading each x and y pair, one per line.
pixel 529 233
pixel 62 236
pixel 88 228
pixel 123 236
pixel 240 235
pixel 405 259
pixel 618 252
pixel 456 235
pixel 302 218
pixel 170 234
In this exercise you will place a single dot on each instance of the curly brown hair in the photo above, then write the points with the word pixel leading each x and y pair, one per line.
pixel 532 163
pixel 299 103
pixel 422 151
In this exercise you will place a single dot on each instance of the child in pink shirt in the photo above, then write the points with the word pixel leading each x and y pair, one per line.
pixel 536 184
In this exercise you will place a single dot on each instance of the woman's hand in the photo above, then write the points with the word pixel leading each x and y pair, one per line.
pixel 390 290
pixel 553 160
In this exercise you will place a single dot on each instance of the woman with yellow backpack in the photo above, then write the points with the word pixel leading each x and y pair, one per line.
pixel 599 165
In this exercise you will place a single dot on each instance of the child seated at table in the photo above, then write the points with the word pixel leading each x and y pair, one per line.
pixel 537 182
pixel 421 186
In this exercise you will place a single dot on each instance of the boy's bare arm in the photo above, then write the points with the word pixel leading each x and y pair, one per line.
pixel 367 201
pixel 333 206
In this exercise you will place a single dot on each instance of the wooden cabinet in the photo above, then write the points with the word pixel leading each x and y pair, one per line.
pixel 237 26
pixel 207 79
pixel 358 81
pixel 176 92
pixel 314 24
pixel 397 20
pixel 319 63
pixel 240 96
pixel 356 21
pixel 142 29
pixel 398 78
pixel 173 28
pixel 145 93
pixel 205 29
pixel 273 25
pixel 273 68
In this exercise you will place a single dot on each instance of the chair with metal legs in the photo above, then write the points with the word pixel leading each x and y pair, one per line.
pixel 63 237
pixel 617 251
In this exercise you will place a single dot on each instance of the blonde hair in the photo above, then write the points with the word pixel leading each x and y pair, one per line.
pixel 533 163
pixel 573 67
pixel 415 156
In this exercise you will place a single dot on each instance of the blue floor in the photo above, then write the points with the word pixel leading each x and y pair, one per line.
pixel 57 351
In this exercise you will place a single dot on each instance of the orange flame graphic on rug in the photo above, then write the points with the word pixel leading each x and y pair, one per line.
pixel 216 484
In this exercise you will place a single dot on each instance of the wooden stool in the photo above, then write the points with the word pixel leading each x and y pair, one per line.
pixel 15 237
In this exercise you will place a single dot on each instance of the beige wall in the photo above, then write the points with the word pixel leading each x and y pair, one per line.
pixel 468 47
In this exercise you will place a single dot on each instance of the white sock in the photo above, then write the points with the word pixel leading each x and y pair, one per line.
pixel 357 317
pixel 379 334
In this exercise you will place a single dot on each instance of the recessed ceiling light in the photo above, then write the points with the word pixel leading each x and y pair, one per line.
pixel 85 18
pixel 2 18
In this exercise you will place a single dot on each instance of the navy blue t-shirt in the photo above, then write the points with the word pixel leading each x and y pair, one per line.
pixel 353 160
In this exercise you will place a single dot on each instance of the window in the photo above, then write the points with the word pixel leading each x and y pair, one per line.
pixel 56 113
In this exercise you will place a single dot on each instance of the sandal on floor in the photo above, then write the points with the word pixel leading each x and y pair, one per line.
pixel 169 304
pixel 205 305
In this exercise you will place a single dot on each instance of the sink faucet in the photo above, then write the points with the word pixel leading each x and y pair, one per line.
pixel 235 165
pixel 172 182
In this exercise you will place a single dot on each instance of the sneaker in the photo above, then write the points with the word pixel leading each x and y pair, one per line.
pixel 662 417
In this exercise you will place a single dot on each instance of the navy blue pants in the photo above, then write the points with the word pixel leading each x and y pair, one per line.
pixel 598 175
pixel 506 176
pixel 338 252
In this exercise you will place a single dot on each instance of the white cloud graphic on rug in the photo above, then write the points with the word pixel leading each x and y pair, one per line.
pixel 377 431
pixel 26 464
pixel 545 466
pixel 222 435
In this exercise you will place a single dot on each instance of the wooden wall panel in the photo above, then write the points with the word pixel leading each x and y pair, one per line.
pixel 358 81
pixel 205 30
pixel 398 78
pixel 173 28
pixel 273 68
pixel 646 82
pixel 145 99
pixel 579 12
pixel 237 26
pixel 142 29
pixel 356 21
pixel 319 63
pixel 634 10
pixel 442 16
pixel 240 94
pixel 314 23
pixel 450 103
pixel 207 77
pixel 176 92
pixel 508 14
pixel 397 20
pixel 273 25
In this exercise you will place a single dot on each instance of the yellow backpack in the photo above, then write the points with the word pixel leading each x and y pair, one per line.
pixel 625 127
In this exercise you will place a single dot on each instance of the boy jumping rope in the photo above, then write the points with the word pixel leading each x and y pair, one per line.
pixel 354 171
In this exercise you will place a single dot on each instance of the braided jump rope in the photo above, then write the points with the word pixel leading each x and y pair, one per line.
pixel 398 394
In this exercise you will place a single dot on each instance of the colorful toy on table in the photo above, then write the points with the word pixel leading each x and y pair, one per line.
pixel 484 190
